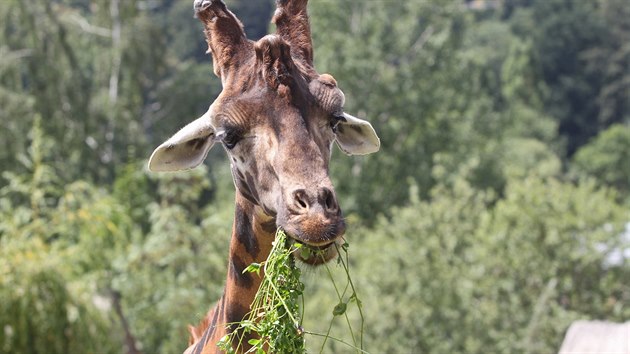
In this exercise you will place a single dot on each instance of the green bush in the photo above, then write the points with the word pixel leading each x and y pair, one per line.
pixel 42 311
pixel 459 275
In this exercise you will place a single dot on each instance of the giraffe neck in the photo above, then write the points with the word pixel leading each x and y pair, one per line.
pixel 252 234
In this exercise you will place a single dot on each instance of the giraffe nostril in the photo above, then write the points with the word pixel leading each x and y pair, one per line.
pixel 330 203
pixel 301 200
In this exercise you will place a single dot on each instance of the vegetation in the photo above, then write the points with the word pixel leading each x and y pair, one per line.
pixel 273 324
pixel 492 217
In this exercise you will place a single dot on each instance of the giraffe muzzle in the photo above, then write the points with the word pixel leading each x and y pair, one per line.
pixel 314 219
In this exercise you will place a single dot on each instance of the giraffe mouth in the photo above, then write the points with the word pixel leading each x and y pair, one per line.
pixel 315 255
pixel 318 234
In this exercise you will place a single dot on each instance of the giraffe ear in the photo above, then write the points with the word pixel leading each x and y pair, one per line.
pixel 356 136
pixel 186 149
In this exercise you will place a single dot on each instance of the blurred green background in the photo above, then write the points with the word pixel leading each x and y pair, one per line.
pixel 492 217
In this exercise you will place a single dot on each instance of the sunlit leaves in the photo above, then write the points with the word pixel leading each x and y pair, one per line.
pixel 607 158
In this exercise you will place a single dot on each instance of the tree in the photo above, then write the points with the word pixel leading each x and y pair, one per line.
pixel 47 306
pixel 566 31
pixel 606 159
pixel 609 59
pixel 461 274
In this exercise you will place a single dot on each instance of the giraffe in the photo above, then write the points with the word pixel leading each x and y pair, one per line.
pixel 277 119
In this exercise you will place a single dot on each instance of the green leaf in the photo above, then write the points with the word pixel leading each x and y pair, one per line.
pixel 254 267
pixel 355 298
pixel 305 253
pixel 340 309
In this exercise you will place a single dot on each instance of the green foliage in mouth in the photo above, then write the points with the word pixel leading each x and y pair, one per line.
pixel 274 324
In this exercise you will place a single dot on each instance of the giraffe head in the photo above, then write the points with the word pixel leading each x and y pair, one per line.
pixel 278 120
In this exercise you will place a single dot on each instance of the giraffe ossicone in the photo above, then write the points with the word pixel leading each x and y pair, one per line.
pixel 277 119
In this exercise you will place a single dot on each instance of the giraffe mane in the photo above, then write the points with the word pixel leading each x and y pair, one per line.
pixel 196 332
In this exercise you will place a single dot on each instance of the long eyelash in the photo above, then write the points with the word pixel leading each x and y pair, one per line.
pixel 334 126
pixel 331 123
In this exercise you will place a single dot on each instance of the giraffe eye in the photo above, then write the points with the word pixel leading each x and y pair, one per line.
pixel 333 125
pixel 334 122
pixel 230 139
